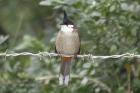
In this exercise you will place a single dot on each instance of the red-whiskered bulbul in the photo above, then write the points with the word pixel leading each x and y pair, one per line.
pixel 67 43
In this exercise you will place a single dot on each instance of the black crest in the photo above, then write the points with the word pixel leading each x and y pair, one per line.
pixel 66 20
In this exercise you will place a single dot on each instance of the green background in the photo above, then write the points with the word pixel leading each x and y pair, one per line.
pixel 106 27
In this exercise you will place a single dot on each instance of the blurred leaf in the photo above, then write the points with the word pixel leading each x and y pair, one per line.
pixel 29 42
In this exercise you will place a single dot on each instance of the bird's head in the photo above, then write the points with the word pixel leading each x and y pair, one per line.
pixel 66 20
pixel 67 24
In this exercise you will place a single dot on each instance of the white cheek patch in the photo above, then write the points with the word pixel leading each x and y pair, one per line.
pixel 67 28
pixel 71 26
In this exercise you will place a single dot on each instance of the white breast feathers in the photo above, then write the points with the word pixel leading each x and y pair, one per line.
pixel 67 28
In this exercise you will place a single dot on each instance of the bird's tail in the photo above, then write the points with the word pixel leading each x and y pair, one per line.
pixel 64 71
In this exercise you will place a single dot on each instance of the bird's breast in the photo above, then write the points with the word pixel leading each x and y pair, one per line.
pixel 68 43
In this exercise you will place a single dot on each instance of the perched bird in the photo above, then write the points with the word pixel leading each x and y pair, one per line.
pixel 67 44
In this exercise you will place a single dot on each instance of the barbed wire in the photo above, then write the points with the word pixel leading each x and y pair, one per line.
pixel 45 54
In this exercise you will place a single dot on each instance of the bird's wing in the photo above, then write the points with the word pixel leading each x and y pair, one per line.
pixel 58 43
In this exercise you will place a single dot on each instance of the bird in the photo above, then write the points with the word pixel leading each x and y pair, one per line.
pixel 67 43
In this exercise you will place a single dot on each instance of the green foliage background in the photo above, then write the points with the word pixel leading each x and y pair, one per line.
pixel 106 27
